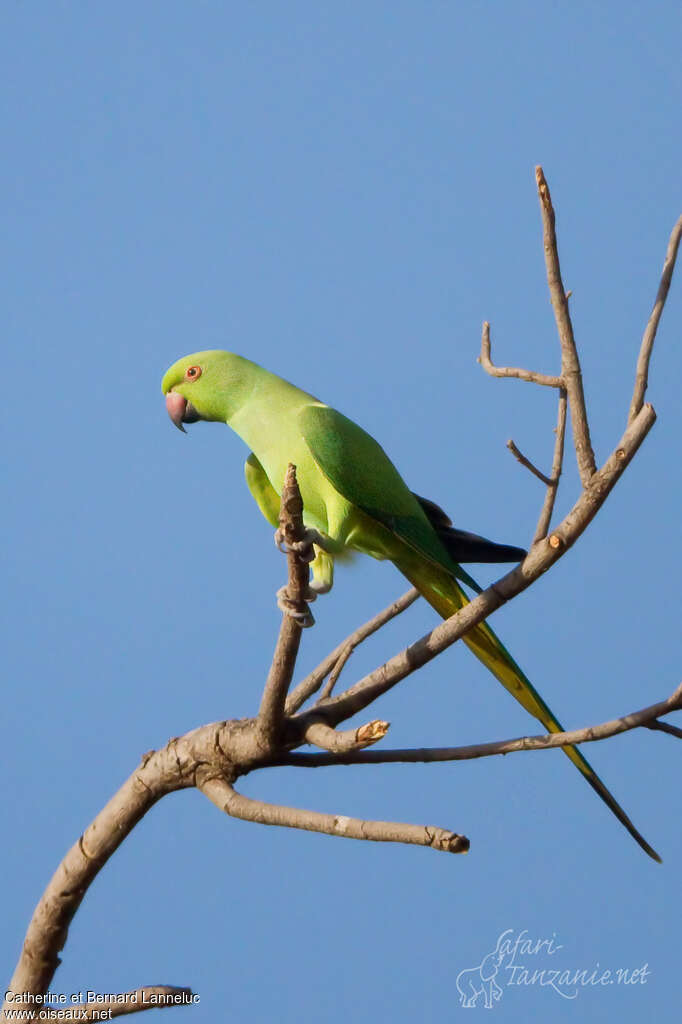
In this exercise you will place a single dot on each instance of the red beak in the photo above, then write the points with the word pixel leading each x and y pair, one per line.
pixel 176 406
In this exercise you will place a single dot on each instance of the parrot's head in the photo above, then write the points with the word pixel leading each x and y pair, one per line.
pixel 206 386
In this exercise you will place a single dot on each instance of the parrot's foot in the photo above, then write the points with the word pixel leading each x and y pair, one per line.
pixel 311 594
pixel 286 605
pixel 303 548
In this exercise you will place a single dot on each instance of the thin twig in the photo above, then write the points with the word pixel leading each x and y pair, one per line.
pixel 312 682
pixel 328 687
pixel 644 718
pixel 151 997
pixel 557 463
pixel 228 800
pixel 271 714
pixel 530 376
pixel 571 375
pixel 642 372
pixel 672 730
pixel 527 463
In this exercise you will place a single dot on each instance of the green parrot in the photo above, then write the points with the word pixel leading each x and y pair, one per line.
pixel 354 499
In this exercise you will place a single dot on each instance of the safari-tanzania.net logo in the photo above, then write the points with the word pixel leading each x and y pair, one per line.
pixel 519 961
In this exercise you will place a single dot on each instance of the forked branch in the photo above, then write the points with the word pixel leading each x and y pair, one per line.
pixel 339 656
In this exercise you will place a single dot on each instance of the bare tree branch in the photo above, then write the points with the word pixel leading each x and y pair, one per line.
pixel 571 376
pixel 646 718
pixel 228 800
pixel 557 463
pixel 271 713
pixel 530 376
pixel 642 372
pixel 520 457
pixel 328 687
pixel 312 682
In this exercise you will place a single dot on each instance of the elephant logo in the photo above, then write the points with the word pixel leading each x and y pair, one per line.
pixel 473 982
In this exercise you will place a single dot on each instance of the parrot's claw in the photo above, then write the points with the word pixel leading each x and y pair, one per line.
pixel 303 548
pixel 286 605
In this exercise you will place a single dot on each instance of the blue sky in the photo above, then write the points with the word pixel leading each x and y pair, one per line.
pixel 342 193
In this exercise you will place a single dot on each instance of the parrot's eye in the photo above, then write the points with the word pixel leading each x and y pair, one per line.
pixel 192 372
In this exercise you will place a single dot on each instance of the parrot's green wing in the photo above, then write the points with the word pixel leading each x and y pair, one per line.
pixel 359 469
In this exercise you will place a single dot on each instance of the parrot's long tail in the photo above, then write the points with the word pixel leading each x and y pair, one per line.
pixel 446 596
